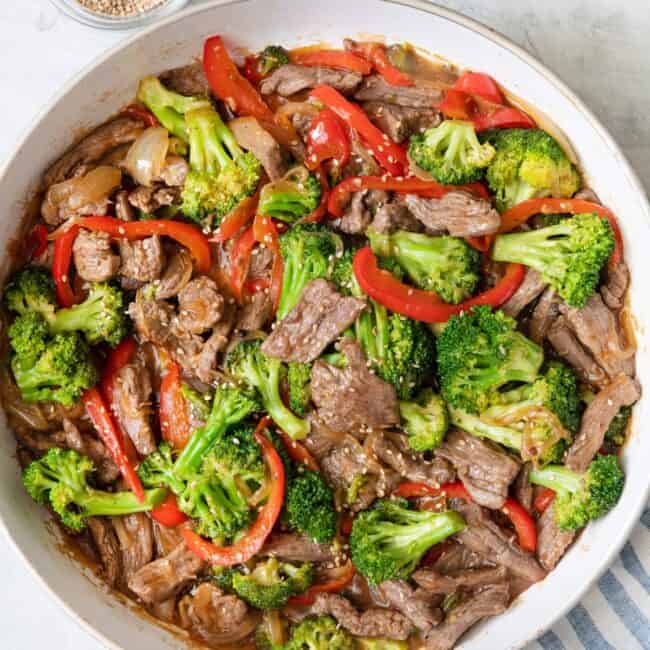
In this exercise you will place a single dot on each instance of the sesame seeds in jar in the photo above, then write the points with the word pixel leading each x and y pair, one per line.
pixel 120 8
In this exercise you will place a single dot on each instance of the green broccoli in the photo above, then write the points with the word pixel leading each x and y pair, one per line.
pixel 168 106
pixel 582 497
pixel 294 196
pixel 198 403
pixel 618 426
pixel 310 507
pixel 60 479
pixel 451 152
pixel 250 365
pixel 271 583
pixel 29 335
pixel 382 644
pixel 479 352
pixel 272 57
pixel 270 634
pixel 425 420
pixel 389 540
pixel 307 252
pixel 221 173
pixel 31 290
pixel 529 163
pixel 569 256
pixel 446 265
pixel 320 633
pixel 158 469
pixel 299 386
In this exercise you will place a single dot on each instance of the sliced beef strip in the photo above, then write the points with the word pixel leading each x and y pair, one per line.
pixel 458 213
pixel 176 275
pixel 165 538
pixel 420 95
pixel 485 537
pixel 401 122
pixel 362 162
pixel 132 404
pixel 293 547
pixel 551 541
pixel 570 349
pixel 290 79
pixel 142 260
pixel 587 194
pixel 399 595
pixel 135 537
pixel 93 256
pixel 165 577
pixel 457 558
pixel 528 290
pixel 352 398
pixel 188 80
pixel 123 209
pixel 153 320
pixel 356 217
pixel 251 136
pixel 108 548
pixel 175 171
pixel 255 313
pixel 122 130
pixel 105 467
pixel 210 614
pixel 523 488
pixel 374 622
pixel 200 305
pixel 437 583
pixel 393 216
pixel 149 199
pixel 320 315
pixel 615 288
pixel 623 391
pixel 545 312
pixel 485 470
pixel 599 331
pixel 490 601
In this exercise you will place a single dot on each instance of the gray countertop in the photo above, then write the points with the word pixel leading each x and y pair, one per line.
pixel 598 47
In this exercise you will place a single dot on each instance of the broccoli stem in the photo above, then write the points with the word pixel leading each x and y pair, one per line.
pixel 474 425
pixel 534 248
pixel 557 477
pixel 98 503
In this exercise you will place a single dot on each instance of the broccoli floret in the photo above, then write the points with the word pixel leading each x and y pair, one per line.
pixel 199 403
pixel 59 369
pixel 28 336
pixel 618 426
pixel 250 365
pixel 237 458
pixel 272 583
pixel 31 290
pixel 425 420
pixel 389 540
pixel 569 256
pixel 310 507
pixel 61 477
pixel 272 57
pixel 230 406
pixel 529 163
pixel 479 352
pixel 581 497
pixel 158 469
pixel 451 152
pixel 168 106
pixel 307 252
pixel 320 633
pixel 221 173
pixel 446 265
pixel 292 197
pixel 299 386
pixel 382 644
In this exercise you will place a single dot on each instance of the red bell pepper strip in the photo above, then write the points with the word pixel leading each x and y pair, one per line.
pixel 481 244
pixel 240 259
pixel 174 421
pixel 321 210
pixel 421 305
pixel 36 242
pixel 168 513
pixel 523 523
pixel 251 69
pixel 298 452
pixel 108 433
pixel 256 285
pixel 253 540
pixel 506 117
pixel 333 586
pixel 543 500
pixel 327 139
pixel 236 219
pixel 389 155
pixel 61 267
pixel 229 85
pixel 266 233
pixel 477 83
pixel 184 233
pixel 332 59
pixel 346 522
pixel 340 195
pixel 141 113
pixel 458 105
pixel 411 490
pixel 376 54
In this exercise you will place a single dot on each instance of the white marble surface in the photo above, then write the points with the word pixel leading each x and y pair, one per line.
pixel 599 49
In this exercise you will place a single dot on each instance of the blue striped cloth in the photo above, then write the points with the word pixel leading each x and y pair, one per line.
pixel 615 613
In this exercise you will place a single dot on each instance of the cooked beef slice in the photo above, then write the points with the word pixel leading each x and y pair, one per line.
pixel 374 622
pixel 528 290
pixel 251 136
pixel 175 171
pixel 200 305
pixel 587 194
pixel 93 256
pixel 457 558
pixel 438 583
pixel 393 216
pixel 123 209
pixel 523 489
pixel 485 470
pixel 623 391
pixel 362 162
pixel 544 314
pixel 551 541
pixel 108 548
pixel 187 80
pixel 293 547
pixel 399 595
pixel 255 312
pixel 176 275
pixel 320 315
pixel 105 467
pixel 357 216
pixel 135 537
pixel 375 88
pixel 352 398
pixel 458 213
pixel 142 260
pixel 149 199
pixel 615 287
pixel 401 122
pixel 290 79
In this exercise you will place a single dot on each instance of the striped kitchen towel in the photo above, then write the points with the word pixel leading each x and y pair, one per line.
pixel 615 613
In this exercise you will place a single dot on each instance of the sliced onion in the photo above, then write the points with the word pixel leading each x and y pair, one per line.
pixel 80 191
pixel 146 157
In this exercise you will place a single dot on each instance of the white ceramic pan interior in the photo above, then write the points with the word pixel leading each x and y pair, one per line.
pixel 111 81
